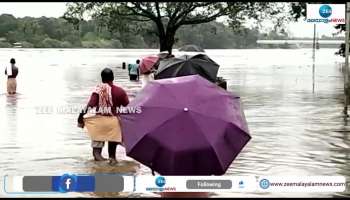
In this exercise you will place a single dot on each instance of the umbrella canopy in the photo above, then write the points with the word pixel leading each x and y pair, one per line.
pixel 188 65
pixel 187 126
pixel 191 47
pixel 147 63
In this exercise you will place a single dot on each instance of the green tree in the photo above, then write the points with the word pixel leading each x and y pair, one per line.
pixel 7 23
pixel 26 44
pixel 5 45
pixel 50 26
pixel 87 26
pixel 116 44
pixel 50 43
pixel 66 44
pixel 90 36
pixel 15 36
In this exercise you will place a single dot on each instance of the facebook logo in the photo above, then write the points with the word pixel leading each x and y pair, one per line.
pixel 67 183
pixel 72 183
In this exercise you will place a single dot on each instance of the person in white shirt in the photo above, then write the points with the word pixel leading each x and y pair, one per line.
pixel 11 72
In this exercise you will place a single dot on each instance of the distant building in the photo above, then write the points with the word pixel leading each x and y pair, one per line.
pixel 17 45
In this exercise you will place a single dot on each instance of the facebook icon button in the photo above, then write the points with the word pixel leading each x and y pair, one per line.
pixel 67 183
pixel 72 183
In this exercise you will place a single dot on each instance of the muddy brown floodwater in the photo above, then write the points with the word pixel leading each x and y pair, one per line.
pixel 295 131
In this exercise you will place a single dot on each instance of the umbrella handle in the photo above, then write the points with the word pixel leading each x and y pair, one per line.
pixel 151 167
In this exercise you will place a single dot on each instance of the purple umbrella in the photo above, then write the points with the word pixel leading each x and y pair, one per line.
pixel 188 126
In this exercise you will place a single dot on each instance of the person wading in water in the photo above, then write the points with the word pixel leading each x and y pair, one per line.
pixel 11 72
pixel 105 125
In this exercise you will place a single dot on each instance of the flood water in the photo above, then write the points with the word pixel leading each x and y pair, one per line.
pixel 294 130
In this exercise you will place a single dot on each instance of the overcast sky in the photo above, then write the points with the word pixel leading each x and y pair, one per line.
pixel 53 9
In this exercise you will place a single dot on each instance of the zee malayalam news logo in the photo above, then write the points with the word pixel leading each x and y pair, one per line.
pixel 160 183
pixel 325 13
pixel 264 183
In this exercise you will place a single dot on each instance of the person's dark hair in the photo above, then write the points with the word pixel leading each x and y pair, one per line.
pixel 13 61
pixel 137 61
pixel 107 75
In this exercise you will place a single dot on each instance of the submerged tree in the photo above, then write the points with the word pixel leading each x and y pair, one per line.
pixel 168 17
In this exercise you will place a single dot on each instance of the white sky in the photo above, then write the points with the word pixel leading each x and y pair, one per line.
pixel 56 9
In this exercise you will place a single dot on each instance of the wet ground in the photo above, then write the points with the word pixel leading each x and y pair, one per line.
pixel 295 131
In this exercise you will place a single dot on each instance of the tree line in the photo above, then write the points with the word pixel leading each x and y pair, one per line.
pixel 46 32
pixel 59 33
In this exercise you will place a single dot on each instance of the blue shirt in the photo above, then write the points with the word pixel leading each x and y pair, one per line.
pixel 133 69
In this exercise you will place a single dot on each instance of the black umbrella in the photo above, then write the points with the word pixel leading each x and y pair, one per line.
pixel 191 47
pixel 188 65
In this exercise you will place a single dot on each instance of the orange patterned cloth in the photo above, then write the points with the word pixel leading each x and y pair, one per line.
pixel 105 102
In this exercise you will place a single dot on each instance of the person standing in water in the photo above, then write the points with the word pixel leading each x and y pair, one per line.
pixel 134 71
pixel 105 126
pixel 11 72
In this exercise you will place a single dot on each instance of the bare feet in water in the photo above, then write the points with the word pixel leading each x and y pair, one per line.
pixel 113 161
pixel 100 158
pixel 97 153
